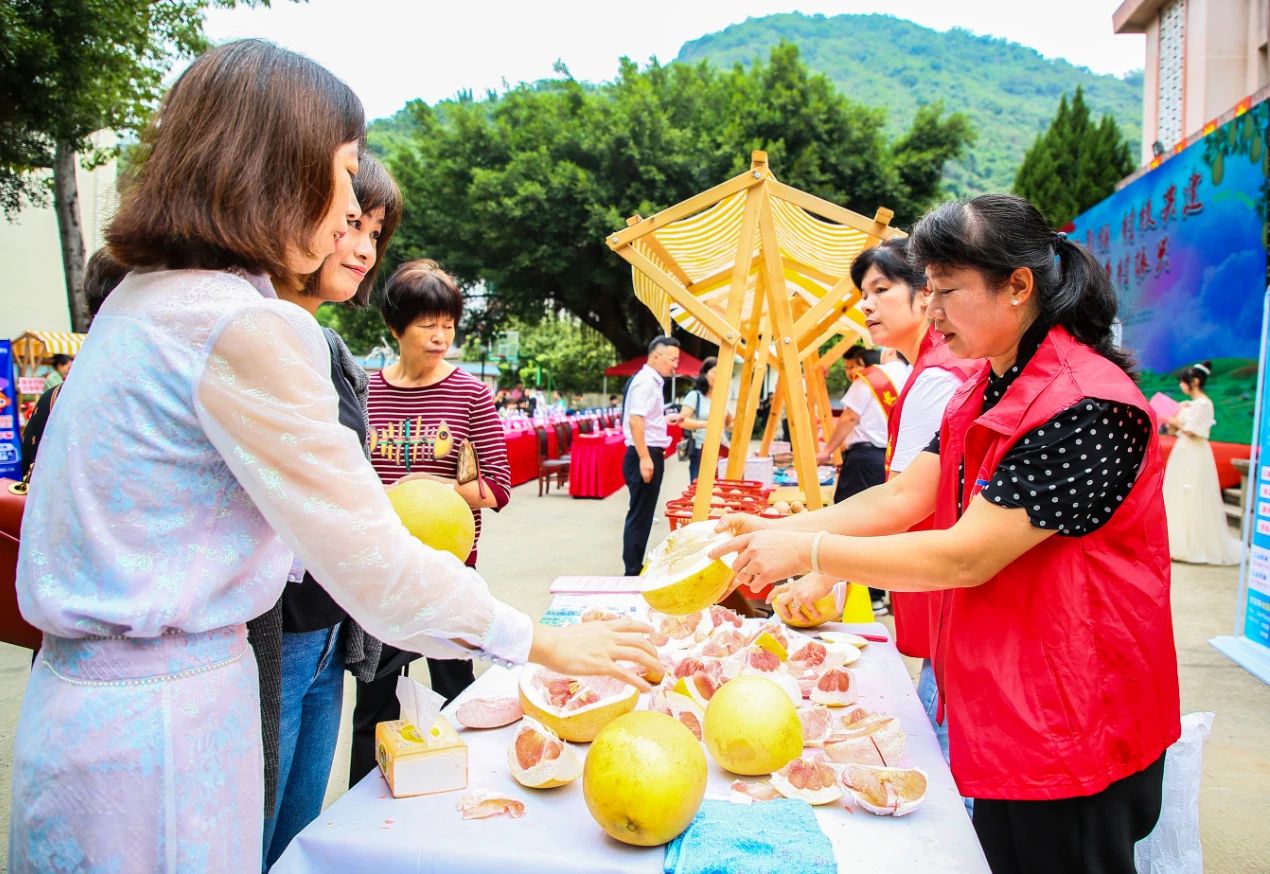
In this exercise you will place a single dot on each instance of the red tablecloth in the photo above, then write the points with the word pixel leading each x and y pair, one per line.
pixel 595 470
pixel 522 455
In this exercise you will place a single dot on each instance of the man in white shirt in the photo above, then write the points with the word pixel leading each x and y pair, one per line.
pixel 644 422
pixel 863 422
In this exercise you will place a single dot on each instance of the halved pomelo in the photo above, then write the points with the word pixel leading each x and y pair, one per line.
pixel 538 759
pixel 679 578
pixel 575 708
pixel 885 791
pixel 811 780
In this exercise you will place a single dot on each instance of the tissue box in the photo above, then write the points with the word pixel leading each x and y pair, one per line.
pixel 415 764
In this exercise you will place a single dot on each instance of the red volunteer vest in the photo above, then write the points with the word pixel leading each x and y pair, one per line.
pixel 911 609
pixel 1060 672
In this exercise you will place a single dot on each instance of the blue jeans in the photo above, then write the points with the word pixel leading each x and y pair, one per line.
pixel 312 697
pixel 928 694
pixel 694 458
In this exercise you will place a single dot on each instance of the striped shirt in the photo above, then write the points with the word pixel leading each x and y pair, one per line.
pixel 411 427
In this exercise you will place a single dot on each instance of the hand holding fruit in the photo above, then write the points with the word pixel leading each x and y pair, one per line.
pixel 794 602
pixel 767 556
pixel 596 648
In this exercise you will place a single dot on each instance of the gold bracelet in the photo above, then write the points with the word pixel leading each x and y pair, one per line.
pixel 815 551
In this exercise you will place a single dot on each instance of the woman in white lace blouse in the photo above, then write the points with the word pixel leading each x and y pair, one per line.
pixel 197 448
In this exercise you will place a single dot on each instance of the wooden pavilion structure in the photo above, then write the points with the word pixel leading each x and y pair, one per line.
pixel 763 270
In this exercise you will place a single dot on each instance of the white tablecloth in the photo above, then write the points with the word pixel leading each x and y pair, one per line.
pixel 369 830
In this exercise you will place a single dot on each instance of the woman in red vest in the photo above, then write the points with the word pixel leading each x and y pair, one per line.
pixel 1052 637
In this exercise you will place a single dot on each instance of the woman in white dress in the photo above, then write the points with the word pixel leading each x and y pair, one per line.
pixel 1192 498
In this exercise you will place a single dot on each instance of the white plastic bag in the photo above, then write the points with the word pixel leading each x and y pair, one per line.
pixel 1174 847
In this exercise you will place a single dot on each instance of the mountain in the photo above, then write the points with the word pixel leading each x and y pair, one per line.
pixel 1009 91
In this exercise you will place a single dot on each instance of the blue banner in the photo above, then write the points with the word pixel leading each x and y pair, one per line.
pixel 1250 644
pixel 1185 247
pixel 10 438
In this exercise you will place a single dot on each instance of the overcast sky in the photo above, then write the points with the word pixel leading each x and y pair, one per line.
pixel 391 51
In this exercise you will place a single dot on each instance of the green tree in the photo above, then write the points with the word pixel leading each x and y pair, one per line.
pixel 555 353
pixel 1074 164
pixel 520 190
pixel 70 68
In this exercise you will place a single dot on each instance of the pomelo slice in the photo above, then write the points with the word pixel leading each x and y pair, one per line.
pixel 836 687
pixel 484 803
pixel 755 790
pixel 538 759
pixel 885 791
pixel 811 780
pixel 767 641
pixel 575 708
pixel 679 578
pixel 818 724
pixel 489 712
pixel 686 709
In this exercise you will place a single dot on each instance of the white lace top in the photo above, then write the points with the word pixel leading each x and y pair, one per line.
pixel 197 447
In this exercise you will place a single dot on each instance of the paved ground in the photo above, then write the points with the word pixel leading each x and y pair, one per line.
pixel 536 539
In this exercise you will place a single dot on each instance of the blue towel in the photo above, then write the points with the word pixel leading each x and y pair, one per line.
pixel 769 837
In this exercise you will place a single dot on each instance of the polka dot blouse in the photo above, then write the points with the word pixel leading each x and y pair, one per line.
pixel 1072 473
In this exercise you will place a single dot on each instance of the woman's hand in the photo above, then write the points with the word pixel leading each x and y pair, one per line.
pixel 794 600
pixel 742 523
pixel 617 648
pixel 767 556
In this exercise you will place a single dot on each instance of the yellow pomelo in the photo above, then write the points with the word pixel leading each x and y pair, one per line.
pixel 752 727
pixel 434 513
pixel 575 708
pixel 644 778
pixel 824 610
pixel 679 578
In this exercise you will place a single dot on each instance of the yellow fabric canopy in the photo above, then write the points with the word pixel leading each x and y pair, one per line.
pixel 34 347
pixel 816 255
pixel 42 344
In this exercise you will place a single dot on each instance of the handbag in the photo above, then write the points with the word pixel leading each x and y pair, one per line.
pixel 685 444
pixel 469 466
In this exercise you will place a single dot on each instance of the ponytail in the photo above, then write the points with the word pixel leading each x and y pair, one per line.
pixel 1084 302
pixel 997 234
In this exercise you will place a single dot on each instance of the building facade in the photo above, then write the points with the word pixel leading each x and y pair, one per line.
pixel 1202 58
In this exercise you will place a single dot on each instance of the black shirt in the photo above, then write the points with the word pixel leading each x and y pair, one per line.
pixel 305 605
pixel 1071 473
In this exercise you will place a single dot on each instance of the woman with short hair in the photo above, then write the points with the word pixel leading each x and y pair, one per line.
pixel 426 400
pixel 157 524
